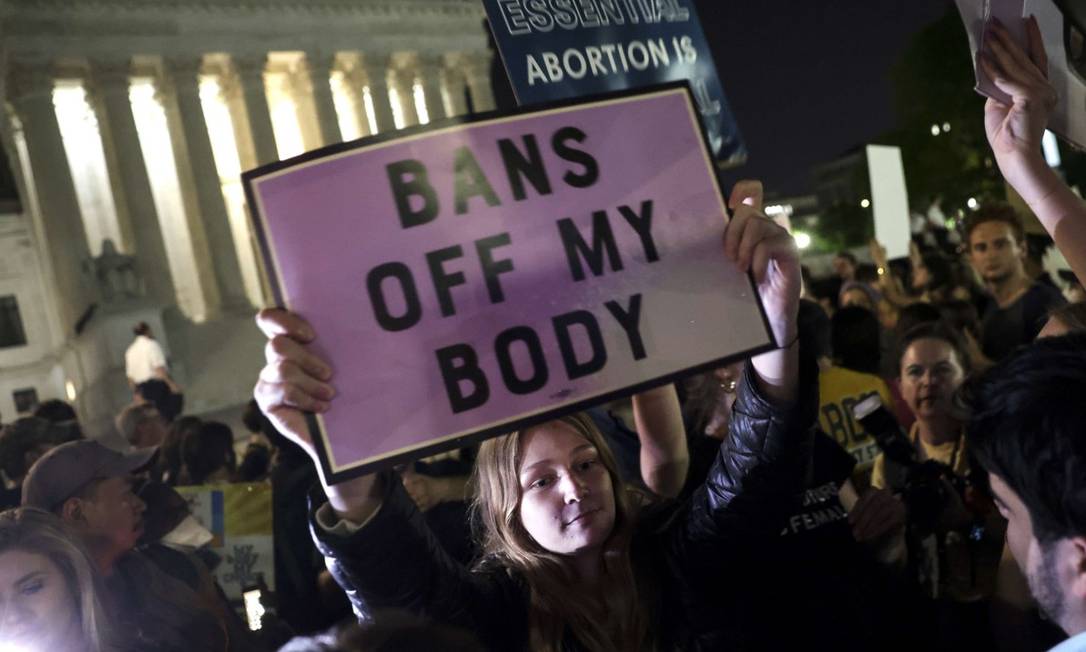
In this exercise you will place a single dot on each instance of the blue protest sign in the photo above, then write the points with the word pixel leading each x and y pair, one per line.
pixel 559 49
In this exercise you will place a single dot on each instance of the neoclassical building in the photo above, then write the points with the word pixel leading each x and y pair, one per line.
pixel 126 124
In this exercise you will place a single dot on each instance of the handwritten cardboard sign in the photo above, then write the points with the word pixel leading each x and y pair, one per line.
pixel 467 279
pixel 239 517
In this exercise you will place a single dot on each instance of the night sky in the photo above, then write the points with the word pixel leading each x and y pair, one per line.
pixel 807 79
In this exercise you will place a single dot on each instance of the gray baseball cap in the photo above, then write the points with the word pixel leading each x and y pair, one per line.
pixel 66 469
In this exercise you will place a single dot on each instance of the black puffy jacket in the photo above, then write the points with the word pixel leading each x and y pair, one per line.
pixel 394 561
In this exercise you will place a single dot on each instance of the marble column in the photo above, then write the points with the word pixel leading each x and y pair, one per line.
pixel 354 79
pixel 404 79
pixel 184 76
pixel 319 67
pixel 376 66
pixel 477 71
pixel 430 70
pixel 456 82
pixel 250 69
pixel 31 94
pixel 111 81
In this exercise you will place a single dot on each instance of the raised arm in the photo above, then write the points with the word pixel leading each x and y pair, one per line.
pixel 664 455
pixel 761 463
pixel 1015 132
pixel 757 245
pixel 295 380
pixel 376 543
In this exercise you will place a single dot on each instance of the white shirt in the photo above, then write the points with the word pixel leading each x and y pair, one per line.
pixel 1076 643
pixel 142 358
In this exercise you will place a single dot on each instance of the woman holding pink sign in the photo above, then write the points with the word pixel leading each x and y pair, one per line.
pixel 572 559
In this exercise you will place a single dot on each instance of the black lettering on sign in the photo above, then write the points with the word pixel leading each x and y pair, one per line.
pixel 470 181
pixel 375 286
pixel 519 167
pixel 603 243
pixel 836 422
pixel 408 180
pixel 586 320
pixel 641 222
pixel 443 281
pixel 460 364
pixel 560 145
pixel 502 346
pixel 492 268
pixel 629 318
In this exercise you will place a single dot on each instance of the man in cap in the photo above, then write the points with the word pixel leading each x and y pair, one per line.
pixel 91 488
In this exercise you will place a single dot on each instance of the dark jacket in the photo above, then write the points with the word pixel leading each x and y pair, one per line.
pixel 394 562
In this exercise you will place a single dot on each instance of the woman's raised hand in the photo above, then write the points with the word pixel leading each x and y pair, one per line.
pixel 1015 131
pixel 294 380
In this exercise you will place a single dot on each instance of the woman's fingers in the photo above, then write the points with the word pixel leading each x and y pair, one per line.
pixel 277 321
pixel 288 372
pixel 747 192
pixel 734 233
pixel 281 348
pixel 1010 56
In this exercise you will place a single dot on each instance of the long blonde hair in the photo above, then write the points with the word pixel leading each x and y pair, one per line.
pixel 612 618
pixel 41 533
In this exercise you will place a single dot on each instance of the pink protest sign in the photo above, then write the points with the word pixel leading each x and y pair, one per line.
pixel 469 279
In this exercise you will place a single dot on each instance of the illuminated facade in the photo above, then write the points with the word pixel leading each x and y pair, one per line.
pixel 127 123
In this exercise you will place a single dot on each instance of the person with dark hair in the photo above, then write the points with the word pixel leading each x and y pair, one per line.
pixel 1069 318
pixel 1019 305
pixel 141 425
pixel 961 317
pixel 56 411
pixel 909 318
pixel 954 534
pixel 1026 431
pixel 148 374
pixel 208 454
pixel 844 265
pixel 169 468
pixel 933 362
pixel 166 398
pixel 91 488
pixel 22 442
pixel 852 378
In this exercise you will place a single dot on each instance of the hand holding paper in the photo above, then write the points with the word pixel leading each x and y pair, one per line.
pixel 1015 132
pixel 294 381
pixel 760 246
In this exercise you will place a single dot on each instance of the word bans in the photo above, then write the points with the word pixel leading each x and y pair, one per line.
pixel 418 201
pixel 467 383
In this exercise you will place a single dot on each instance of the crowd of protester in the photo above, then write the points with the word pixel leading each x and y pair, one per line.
pixel 906 471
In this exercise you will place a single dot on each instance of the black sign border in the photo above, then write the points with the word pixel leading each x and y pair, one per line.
pixel 424 450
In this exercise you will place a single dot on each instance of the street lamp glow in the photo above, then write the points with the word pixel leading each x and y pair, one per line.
pixel 972 203
pixel 946 126
pixel 864 203
pixel 802 239
pixel 935 130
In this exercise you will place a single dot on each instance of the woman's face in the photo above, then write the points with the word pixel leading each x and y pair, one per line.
pixel 567 500
pixel 37 611
pixel 930 373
